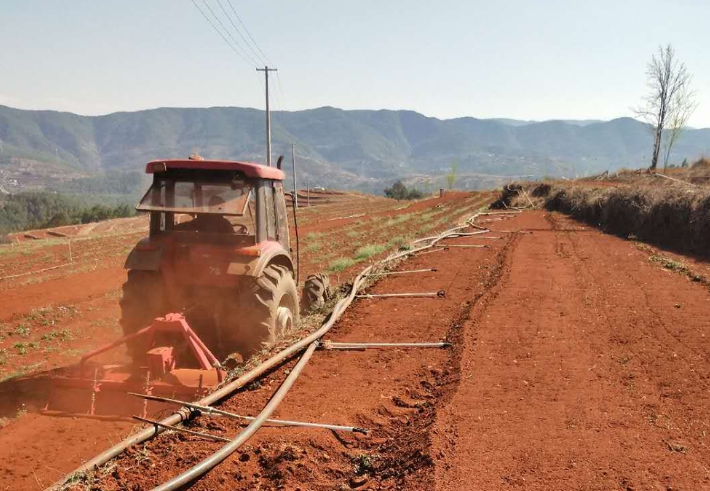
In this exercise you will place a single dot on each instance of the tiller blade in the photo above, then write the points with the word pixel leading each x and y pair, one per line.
pixel 176 364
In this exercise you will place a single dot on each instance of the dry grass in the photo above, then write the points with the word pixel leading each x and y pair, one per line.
pixel 519 195
pixel 696 174
pixel 669 216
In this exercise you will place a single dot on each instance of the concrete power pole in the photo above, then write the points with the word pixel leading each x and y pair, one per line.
pixel 293 161
pixel 266 71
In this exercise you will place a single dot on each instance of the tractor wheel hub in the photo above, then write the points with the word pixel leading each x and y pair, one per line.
pixel 284 320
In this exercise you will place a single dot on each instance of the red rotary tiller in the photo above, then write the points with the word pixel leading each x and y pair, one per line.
pixel 176 364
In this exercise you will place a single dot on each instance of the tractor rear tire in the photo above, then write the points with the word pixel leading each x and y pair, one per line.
pixel 270 309
pixel 143 300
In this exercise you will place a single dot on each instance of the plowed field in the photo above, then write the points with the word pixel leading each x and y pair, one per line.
pixel 577 362
pixel 48 319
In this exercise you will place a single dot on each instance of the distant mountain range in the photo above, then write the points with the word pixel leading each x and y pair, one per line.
pixel 521 122
pixel 358 149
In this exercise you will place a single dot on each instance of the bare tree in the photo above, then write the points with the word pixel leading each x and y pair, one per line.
pixel 670 101
pixel 451 175
pixel 678 116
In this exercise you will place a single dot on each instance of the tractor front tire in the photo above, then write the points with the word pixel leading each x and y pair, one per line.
pixel 143 300
pixel 270 309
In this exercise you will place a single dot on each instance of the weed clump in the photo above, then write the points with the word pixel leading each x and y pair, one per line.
pixel 369 250
pixel 340 264
pixel 314 247
pixel 400 243
pixel 508 194
pixel 364 464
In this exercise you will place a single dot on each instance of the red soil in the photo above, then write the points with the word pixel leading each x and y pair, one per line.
pixel 80 302
pixel 67 290
pixel 585 369
pixel 384 390
pixel 577 364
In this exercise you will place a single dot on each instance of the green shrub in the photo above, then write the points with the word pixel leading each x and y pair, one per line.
pixel 399 191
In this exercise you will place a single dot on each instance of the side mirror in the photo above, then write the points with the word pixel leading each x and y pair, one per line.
pixel 279 161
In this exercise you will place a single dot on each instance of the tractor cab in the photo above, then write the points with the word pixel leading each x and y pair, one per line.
pixel 221 204
pixel 217 197
pixel 217 251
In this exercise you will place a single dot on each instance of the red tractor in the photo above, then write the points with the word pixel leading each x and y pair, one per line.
pixel 218 252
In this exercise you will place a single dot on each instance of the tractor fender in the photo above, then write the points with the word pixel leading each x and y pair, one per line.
pixel 145 256
pixel 271 253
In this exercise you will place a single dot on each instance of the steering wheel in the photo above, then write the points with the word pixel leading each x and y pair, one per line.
pixel 241 229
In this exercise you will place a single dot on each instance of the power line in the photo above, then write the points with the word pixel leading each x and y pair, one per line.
pixel 280 98
pixel 248 33
pixel 220 32
pixel 244 55
pixel 253 61
pixel 261 60
pixel 275 99
pixel 276 104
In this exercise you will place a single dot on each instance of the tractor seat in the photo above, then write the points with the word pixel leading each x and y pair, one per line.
pixel 213 224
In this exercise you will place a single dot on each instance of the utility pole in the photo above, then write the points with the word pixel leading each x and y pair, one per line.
pixel 266 71
pixel 295 189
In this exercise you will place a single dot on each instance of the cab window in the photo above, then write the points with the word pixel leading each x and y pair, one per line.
pixel 281 214
pixel 270 211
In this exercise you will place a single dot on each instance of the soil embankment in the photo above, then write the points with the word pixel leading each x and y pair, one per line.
pixel 675 217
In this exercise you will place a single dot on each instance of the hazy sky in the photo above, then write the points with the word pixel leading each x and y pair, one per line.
pixel 525 59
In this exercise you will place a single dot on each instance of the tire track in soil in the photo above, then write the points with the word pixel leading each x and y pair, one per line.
pixel 662 352
pixel 444 435
pixel 409 456
pixel 585 374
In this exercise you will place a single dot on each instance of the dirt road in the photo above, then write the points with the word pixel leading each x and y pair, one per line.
pixel 586 368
